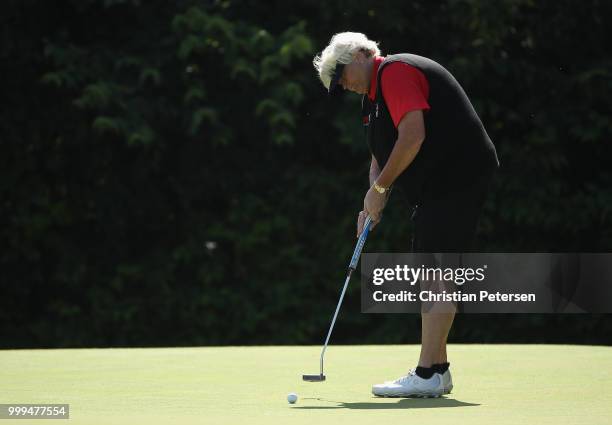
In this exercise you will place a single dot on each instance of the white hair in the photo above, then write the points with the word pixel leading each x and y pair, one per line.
pixel 341 49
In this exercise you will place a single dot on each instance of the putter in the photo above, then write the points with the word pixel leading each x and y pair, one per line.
pixel 352 266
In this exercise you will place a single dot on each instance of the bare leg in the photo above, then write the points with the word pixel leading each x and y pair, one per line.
pixel 434 333
pixel 443 358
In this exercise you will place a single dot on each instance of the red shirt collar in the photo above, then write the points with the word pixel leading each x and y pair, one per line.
pixel 377 61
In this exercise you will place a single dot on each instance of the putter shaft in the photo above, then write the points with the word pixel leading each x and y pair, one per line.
pixel 351 269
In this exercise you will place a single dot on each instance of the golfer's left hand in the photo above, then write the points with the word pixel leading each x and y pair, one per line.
pixel 374 203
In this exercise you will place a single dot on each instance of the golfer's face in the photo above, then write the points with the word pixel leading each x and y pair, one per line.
pixel 354 78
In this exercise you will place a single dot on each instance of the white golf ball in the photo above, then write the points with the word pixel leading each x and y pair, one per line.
pixel 292 398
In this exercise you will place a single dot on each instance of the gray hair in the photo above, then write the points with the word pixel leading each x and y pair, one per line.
pixel 341 49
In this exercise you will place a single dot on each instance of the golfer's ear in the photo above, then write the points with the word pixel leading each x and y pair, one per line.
pixel 412 127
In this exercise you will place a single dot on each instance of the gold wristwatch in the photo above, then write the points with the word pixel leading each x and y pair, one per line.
pixel 379 188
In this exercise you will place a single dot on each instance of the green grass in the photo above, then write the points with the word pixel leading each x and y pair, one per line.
pixel 536 384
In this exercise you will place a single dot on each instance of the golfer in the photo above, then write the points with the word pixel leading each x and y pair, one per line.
pixel 426 139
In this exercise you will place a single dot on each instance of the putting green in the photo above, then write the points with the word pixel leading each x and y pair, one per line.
pixel 536 384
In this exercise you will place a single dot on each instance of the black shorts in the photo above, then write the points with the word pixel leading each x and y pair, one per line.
pixel 446 220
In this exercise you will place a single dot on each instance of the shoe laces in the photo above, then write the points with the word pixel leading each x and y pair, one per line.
pixel 405 378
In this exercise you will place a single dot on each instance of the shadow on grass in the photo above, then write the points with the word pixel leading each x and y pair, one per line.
pixel 383 403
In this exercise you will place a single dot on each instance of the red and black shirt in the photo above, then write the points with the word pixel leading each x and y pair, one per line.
pixel 405 88
pixel 456 149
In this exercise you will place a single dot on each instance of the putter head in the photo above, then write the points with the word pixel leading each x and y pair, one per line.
pixel 314 378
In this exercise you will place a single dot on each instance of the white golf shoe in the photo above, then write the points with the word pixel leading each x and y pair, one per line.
pixel 411 385
pixel 447 381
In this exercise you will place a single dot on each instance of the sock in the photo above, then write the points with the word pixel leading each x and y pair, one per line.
pixel 424 372
pixel 440 367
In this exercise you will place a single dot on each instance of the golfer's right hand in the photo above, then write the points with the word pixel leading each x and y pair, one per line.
pixel 361 218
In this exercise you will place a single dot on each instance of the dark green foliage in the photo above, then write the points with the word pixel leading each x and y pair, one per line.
pixel 174 174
